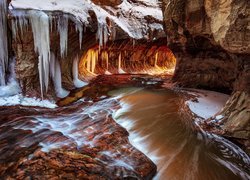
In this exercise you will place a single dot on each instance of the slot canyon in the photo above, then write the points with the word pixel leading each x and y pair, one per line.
pixel 125 89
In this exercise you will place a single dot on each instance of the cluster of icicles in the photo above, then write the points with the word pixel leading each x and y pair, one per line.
pixel 41 23
pixel 48 66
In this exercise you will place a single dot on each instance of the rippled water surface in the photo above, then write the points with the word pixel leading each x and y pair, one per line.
pixel 160 129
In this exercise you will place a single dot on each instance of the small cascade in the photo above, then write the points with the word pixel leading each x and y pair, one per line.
pixel 55 72
pixel 40 27
pixel 3 42
pixel 77 82
pixel 63 31
pixel 120 70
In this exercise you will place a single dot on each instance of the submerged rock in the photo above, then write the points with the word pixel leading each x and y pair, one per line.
pixel 81 141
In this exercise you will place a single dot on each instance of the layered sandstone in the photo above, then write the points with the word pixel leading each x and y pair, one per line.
pixel 211 40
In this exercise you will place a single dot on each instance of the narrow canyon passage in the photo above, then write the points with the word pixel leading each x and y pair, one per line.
pixel 124 89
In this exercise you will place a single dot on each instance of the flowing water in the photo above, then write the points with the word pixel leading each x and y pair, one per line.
pixel 157 124
pixel 160 128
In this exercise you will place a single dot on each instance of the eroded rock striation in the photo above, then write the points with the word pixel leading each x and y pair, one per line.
pixel 211 42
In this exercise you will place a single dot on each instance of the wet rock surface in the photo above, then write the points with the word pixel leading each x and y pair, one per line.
pixel 79 141
pixel 210 40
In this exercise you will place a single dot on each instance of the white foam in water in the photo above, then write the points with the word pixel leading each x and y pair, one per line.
pixel 3 42
pixel 77 82
pixel 40 28
pixel 56 75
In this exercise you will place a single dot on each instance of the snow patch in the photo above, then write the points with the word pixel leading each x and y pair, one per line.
pixel 19 99
pixel 209 103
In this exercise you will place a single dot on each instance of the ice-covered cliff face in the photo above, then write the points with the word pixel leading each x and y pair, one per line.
pixel 137 19
pixel 133 17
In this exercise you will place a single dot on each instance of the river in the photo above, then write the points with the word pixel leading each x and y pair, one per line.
pixel 160 128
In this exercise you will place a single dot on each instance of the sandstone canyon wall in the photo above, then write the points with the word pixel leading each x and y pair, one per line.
pixel 211 40
pixel 77 26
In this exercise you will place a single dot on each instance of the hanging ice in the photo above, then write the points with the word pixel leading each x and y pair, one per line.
pixel 105 56
pixel 79 28
pixel 77 82
pixel 102 33
pixel 63 31
pixel 19 23
pixel 120 70
pixel 55 71
pixel 40 27
pixel 3 42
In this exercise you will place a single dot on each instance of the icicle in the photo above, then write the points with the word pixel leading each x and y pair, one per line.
pixel 79 28
pixel 102 34
pixel 105 57
pixel 40 27
pixel 20 22
pixel 51 24
pixel 3 42
pixel 55 71
pixel 63 31
pixel 23 23
pixel 120 70
pixel 77 82
pixel 14 28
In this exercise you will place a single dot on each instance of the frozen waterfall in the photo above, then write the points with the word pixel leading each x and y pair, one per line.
pixel 63 31
pixel 40 27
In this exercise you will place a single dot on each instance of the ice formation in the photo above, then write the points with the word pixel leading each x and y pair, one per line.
pixel 55 71
pixel 12 86
pixel 131 19
pixel 120 70
pixel 40 28
pixel 63 31
pixel 3 42
pixel 77 82
pixel 129 16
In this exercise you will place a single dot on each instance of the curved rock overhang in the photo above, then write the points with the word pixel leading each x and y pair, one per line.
pixel 68 32
pixel 210 40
